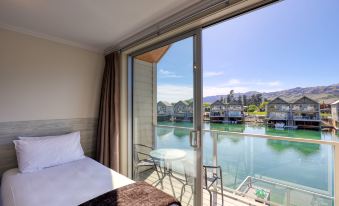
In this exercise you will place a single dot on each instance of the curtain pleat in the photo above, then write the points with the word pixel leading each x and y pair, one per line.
pixel 109 114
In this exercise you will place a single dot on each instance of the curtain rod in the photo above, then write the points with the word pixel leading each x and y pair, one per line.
pixel 174 22
pixel 187 19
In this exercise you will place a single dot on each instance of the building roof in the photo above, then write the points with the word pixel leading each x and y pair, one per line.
pixel 278 100
pixel 183 102
pixel 336 102
pixel 165 103
pixel 304 100
pixel 217 102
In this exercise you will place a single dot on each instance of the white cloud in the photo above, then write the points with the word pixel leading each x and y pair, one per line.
pixel 213 74
pixel 222 90
pixel 233 82
pixel 241 87
pixel 174 93
pixel 270 83
pixel 168 74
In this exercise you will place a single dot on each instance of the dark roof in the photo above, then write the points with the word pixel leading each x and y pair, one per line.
pixel 217 102
pixel 278 100
pixel 304 100
pixel 165 103
pixel 183 102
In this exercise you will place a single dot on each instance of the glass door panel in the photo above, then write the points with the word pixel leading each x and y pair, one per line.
pixel 165 125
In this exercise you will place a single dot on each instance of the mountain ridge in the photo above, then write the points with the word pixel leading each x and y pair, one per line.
pixel 322 94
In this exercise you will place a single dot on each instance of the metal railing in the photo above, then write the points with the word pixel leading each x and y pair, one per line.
pixel 240 195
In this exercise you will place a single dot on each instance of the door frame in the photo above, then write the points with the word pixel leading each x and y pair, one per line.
pixel 197 102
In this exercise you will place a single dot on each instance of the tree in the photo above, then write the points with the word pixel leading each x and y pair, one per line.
pixel 252 100
pixel 252 108
pixel 258 99
pixel 206 104
pixel 239 100
pixel 262 106
pixel 228 97
pixel 244 99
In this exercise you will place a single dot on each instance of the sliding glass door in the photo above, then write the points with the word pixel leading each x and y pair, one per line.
pixel 166 119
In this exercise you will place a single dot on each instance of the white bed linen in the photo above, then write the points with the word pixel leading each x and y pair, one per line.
pixel 67 184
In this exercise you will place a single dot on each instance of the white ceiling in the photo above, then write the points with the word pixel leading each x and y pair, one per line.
pixel 91 24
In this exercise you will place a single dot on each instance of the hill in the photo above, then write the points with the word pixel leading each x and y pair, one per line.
pixel 326 94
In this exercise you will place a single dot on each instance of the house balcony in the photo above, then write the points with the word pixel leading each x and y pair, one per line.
pixel 306 118
pixel 273 116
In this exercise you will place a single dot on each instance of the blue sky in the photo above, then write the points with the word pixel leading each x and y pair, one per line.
pixel 289 44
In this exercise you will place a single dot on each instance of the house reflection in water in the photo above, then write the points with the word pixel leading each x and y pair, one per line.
pixel 303 148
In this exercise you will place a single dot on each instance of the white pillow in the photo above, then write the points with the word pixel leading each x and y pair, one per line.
pixel 46 137
pixel 47 151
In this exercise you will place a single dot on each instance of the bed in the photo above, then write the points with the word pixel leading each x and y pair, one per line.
pixel 69 184
pixel 53 171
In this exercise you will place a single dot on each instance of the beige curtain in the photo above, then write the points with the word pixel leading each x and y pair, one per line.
pixel 109 114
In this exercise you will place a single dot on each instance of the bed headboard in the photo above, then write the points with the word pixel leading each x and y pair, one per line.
pixel 11 130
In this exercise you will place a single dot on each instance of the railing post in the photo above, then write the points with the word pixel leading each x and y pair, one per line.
pixel 215 162
pixel 336 174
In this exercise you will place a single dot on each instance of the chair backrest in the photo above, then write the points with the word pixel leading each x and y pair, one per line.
pixel 141 151
pixel 211 175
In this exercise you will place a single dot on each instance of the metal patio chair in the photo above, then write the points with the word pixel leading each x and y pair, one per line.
pixel 143 159
pixel 212 175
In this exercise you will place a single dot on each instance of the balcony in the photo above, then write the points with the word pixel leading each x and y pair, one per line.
pixel 257 169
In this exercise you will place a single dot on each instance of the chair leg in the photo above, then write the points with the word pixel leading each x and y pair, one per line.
pixel 210 197
pixel 182 191
pixel 171 183
pixel 136 171
pixel 191 194
pixel 157 171
pixel 222 194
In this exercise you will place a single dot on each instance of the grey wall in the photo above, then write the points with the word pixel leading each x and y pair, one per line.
pixel 11 130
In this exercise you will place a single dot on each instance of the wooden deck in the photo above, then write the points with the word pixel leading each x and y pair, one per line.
pixel 174 188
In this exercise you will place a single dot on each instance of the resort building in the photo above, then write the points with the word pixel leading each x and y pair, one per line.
pixel 306 113
pixel 302 113
pixel 278 111
pixel 234 113
pixel 221 112
pixel 217 113
pixel 335 114
pixel 183 111
pixel 164 111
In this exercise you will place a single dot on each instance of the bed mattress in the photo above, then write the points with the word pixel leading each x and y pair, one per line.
pixel 68 184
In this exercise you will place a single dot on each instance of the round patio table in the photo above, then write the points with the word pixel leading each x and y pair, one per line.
pixel 168 155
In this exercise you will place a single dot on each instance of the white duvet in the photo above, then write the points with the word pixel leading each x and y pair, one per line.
pixel 64 185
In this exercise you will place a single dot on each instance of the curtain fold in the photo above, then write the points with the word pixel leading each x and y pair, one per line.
pixel 109 114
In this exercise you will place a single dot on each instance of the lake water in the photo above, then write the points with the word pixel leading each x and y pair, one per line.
pixel 302 165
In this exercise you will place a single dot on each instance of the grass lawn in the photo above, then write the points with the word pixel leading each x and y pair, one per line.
pixel 257 113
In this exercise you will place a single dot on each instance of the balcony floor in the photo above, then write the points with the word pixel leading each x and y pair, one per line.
pixel 186 199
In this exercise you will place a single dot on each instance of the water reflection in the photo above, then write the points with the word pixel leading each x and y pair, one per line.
pixel 180 133
pixel 228 127
pixel 303 148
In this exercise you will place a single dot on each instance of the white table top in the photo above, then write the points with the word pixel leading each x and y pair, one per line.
pixel 168 154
